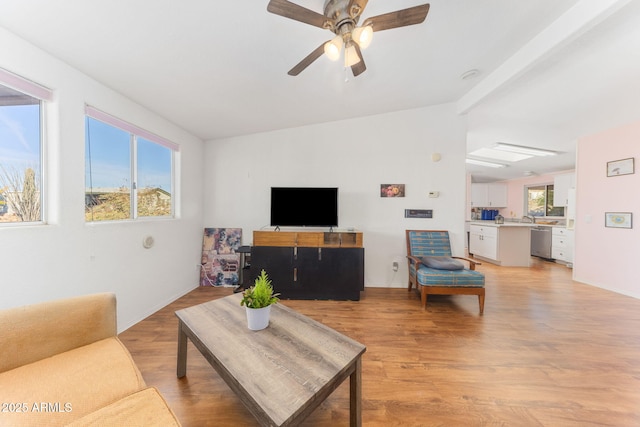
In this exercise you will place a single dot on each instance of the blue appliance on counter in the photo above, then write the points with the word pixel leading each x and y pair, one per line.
pixel 489 214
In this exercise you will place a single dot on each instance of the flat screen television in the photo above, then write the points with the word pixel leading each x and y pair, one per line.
pixel 304 206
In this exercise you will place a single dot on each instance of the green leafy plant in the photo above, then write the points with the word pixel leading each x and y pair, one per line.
pixel 260 294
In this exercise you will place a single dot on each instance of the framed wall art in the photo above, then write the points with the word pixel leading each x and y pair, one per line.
pixel 391 190
pixel 620 167
pixel 618 219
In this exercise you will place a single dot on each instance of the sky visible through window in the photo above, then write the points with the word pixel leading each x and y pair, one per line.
pixel 20 148
pixel 154 165
pixel 20 137
pixel 107 151
pixel 109 148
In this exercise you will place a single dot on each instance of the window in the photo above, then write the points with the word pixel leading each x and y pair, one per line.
pixel 154 179
pixel 129 172
pixel 21 147
pixel 540 202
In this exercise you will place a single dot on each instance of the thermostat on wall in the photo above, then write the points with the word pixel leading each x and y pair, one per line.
pixel 418 213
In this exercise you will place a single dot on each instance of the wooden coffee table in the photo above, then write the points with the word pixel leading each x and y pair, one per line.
pixel 281 373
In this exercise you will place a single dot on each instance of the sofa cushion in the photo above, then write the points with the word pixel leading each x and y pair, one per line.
pixel 37 331
pixel 457 278
pixel 442 263
pixel 60 389
pixel 145 408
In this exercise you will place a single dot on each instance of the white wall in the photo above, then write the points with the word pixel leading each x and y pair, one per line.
pixel 606 257
pixel 68 257
pixel 357 156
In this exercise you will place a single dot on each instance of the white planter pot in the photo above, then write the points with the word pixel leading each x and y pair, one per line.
pixel 258 318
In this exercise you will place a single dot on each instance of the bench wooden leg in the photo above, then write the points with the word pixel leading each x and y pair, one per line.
pixel 423 297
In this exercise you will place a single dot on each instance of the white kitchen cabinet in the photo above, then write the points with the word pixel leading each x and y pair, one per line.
pixel 483 241
pixel 561 185
pixel 497 195
pixel 479 195
pixel 506 245
pixel 493 195
pixel 562 245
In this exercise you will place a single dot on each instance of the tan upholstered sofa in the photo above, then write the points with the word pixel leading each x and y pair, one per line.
pixel 61 363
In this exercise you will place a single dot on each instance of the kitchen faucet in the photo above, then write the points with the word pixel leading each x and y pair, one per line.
pixel 528 218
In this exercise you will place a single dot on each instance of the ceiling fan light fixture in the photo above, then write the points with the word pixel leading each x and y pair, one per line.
pixel 363 36
pixel 341 17
pixel 333 47
pixel 351 57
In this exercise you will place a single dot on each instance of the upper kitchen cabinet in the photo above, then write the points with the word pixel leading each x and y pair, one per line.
pixel 561 185
pixel 489 195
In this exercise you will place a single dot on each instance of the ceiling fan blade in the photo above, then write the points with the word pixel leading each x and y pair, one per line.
pixel 360 3
pixel 399 18
pixel 307 61
pixel 359 67
pixel 298 13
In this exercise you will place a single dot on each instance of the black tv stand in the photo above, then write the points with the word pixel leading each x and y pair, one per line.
pixel 310 264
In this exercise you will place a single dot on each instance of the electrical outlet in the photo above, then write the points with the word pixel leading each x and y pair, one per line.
pixel 395 265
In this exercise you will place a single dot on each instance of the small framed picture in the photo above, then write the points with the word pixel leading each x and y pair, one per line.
pixel 618 219
pixel 620 167
pixel 391 190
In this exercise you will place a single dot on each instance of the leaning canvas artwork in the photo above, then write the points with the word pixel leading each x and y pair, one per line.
pixel 220 260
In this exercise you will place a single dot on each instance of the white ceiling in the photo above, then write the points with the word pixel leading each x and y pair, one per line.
pixel 549 70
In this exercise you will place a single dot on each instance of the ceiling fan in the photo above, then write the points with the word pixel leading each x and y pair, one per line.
pixel 341 18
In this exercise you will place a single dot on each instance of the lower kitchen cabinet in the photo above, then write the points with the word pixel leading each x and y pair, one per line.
pixel 483 241
pixel 505 245
pixel 311 272
pixel 562 245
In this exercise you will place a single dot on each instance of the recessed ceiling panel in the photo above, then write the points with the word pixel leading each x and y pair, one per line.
pixel 505 156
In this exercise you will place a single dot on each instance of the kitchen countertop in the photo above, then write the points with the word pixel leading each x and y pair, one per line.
pixel 512 224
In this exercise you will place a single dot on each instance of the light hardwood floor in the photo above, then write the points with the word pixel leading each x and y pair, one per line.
pixel 547 352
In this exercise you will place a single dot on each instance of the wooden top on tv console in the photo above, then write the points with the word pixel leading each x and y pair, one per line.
pixel 309 239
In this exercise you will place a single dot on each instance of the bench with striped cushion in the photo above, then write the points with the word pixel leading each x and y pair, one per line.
pixel 431 281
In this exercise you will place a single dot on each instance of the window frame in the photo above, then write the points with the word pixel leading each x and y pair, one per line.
pixel 43 95
pixel 546 197
pixel 135 133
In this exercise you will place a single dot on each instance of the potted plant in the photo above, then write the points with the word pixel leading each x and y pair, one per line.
pixel 258 299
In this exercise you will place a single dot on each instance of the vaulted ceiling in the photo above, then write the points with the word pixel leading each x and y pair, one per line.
pixel 548 71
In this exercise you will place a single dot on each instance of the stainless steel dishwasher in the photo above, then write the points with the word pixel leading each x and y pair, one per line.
pixel 541 242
